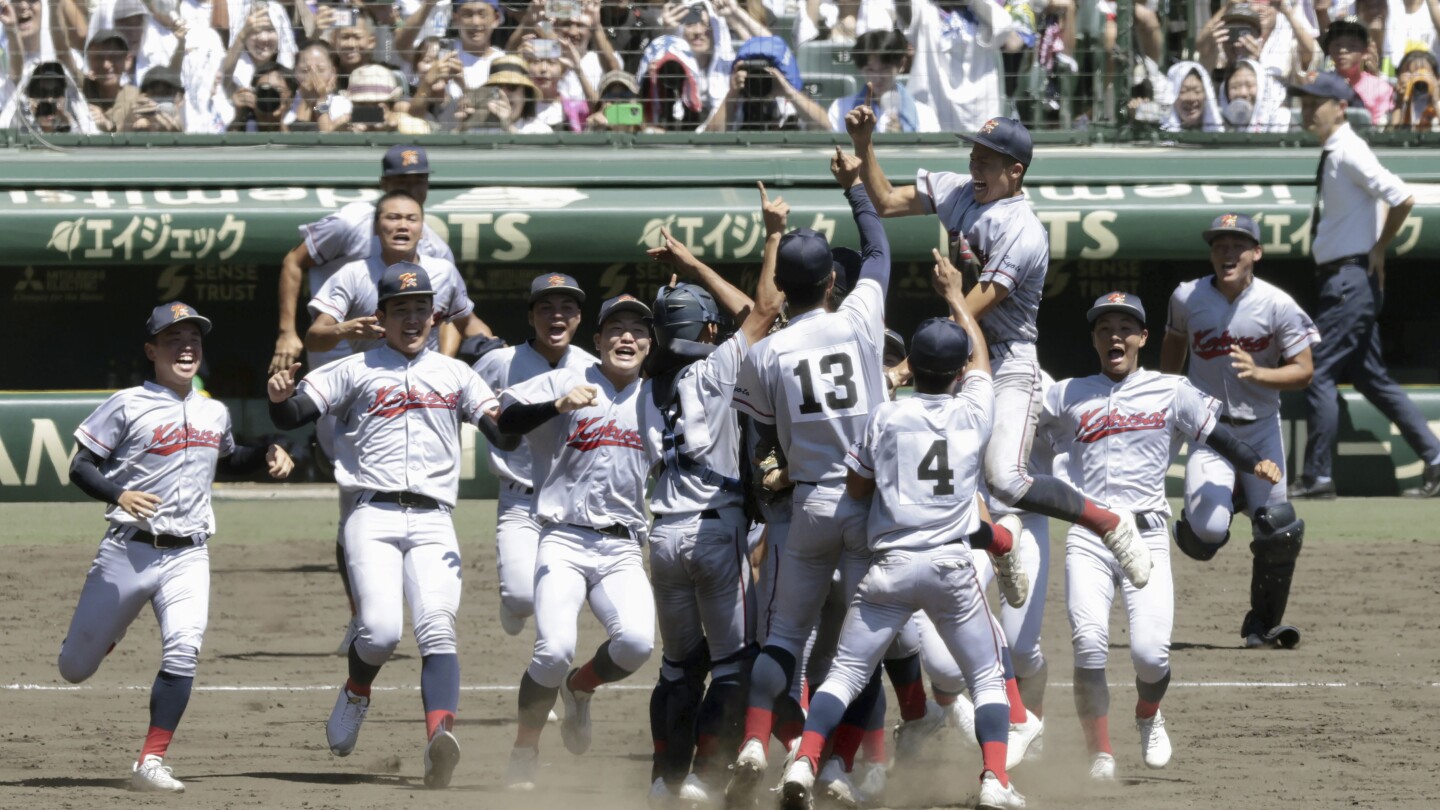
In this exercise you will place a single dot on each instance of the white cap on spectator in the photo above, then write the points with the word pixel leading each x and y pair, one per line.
pixel 373 83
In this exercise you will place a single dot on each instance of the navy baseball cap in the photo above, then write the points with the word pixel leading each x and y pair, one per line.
pixel 404 279
pixel 624 303
pixel 846 263
pixel 1325 85
pixel 804 259
pixel 1123 302
pixel 1351 25
pixel 939 346
pixel 894 341
pixel 404 159
pixel 1006 136
pixel 547 283
pixel 167 315
pixel 1232 223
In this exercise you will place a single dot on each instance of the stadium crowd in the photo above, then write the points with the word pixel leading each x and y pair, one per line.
pixel 421 66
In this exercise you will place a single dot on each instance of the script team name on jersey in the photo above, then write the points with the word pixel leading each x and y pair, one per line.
pixel 1209 348
pixel 590 434
pixel 390 401
pixel 1096 425
pixel 168 439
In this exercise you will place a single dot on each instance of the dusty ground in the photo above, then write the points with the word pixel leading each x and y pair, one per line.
pixel 1349 719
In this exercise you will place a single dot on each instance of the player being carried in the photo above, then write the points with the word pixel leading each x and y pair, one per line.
pixel 1116 432
pixel 150 453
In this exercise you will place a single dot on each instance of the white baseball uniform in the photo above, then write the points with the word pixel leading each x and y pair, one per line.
pixel 1014 251
pixel 1267 323
pixel 517 534
pixel 1117 439
pixel 353 292
pixel 398 431
pixel 153 441
pixel 589 468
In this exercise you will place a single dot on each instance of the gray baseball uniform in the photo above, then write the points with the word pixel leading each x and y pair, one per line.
pixel 352 292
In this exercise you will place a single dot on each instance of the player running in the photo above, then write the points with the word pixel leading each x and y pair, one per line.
pixel 1115 431
pixel 150 453
pixel 398 457
pixel 1247 342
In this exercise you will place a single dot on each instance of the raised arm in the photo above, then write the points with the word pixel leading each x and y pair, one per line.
pixel 292 269
pixel 951 285
pixel 888 200
pixel 874 244
pixel 288 411
pixel 409 32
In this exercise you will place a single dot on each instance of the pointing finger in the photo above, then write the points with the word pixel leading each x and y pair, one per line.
pixel 764 197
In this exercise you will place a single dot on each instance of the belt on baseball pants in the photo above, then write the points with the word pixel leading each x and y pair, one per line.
pixel 409 500
pixel 1234 422
pixel 1151 520
pixel 513 487
pixel 160 540
pixel 1331 268
pixel 613 530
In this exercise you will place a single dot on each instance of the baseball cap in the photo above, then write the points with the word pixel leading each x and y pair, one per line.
pixel 371 84
pixel 555 283
pixel 621 80
pixel 167 315
pixel 1232 223
pixel 1345 25
pixel 939 346
pixel 1117 301
pixel 1243 14
pixel 803 260
pixel 894 341
pixel 1006 136
pixel 623 303
pixel 404 279
pixel 846 262
pixel 160 81
pixel 1325 85
pixel 110 36
pixel 404 159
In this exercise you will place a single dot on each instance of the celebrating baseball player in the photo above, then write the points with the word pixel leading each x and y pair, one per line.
pixel 1247 341
pixel 699 562
pixel 555 300
pixel 987 213
pixel 399 407
pixel 920 458
pixel 590 468
pixel 150 453
pixel 1117 430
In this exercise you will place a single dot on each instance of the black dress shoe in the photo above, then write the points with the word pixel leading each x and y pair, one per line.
pixel 1312 491
pixel 1429 484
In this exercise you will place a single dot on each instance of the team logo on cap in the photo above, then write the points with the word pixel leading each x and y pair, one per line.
pixel 556 280
pixel 408 280
pixel 178 311
pixel 1116 298
pixel 1229 221
pixel 409 157
pixel 990 126
pixel 626 297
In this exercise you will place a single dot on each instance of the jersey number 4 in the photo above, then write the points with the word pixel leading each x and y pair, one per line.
pixel 934 467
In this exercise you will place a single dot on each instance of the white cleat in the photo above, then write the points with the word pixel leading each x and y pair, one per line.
pixel 1129 549
pixel 660 797
pixel 836 786
pixel 343 729
pixel 911 736
pixel 746 774
pixel 798 788
pixel 152 775
pixel 995 796
pixel 960 716
pixel 575 728
pixel 1014 582
pixel 512 625
pixel 1036 751
pixel 1102 768
pixel 352 630
pixel 1021 735
pixel 695 794
pixel 520 775
pixel 1154 742
pixel 873 782
pixel 442 754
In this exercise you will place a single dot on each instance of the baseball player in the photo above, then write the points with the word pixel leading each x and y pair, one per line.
pixel 1117 430
pixel 986 212
pixel 590 468
pixel 1247 341
pixel 399 408
pixel 920 459
pixel 150 453
pixel 555 300
pixel 699 564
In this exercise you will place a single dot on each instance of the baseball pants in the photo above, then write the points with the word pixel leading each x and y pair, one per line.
pixel 700 570
pixel 827 531
pixel 576 565
pixel 1092 577
pixel 1210 481
pixel 517 536
pixel 397 555
pixel 1018 402
pixel 122 579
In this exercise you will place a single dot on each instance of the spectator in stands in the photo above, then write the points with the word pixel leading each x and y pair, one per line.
pixel 619 89
pixel 108 62
pixel 317 74
pixel 1251 103
pixel 51 103
pixel 384 20
pixel 629 27
pixel 881 56
pixel 474 22
pixel 1416 91
pixel 262 106
pixel 1408 23
pixel 670 91
pixel 128 18
pixel 842 22
pixel 514 110
pixel 24 23
pixel 1195 107
pixel 255 43
pixel 437 64
pixel 766 92
pixel 238 14
pixel 1271 32
pixel 574 24
pixel 543 61
pixel 1346 42
pixel 354 45
pixel 161 104
pixel 373 93
pixel 710 46
pixel 957 64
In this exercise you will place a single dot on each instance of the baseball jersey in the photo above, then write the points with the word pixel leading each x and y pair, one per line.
pixel 153 441
pixel 1263 320
pixel 708 432
pixel 349 234
pixel 512 365
pixel 589 465
pixel 924 455
pixel 354 292
pixel 398 419
pixel 1012 245
pixel 1114 439
pixel 817 380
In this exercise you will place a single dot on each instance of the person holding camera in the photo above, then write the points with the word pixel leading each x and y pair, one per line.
pixel 108 60
pixel 435 65
pixel 474 22
pixel 256 43
pixel 373 93
pixel 160 105
pixel 1415 91
pixel 1272 32
pixel 1251 101
pixel 548 68
pixel 881 58
pixel 618 109
pixel 262 106
pixel 766 92
pixel 507 101
pixel 710 42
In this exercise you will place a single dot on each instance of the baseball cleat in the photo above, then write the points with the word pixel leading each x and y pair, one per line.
pixel 1284 636
pixel 873 782
pixel 575 728
pixel 442 754
pixel 660 797
pixel 152 775
pixel 1154 742
pixel 960 716
pixel 1036 751
pixel 520 774
pixel 512 625
pixel 1021 735
pixel 1129 549
pixel 352 630
pixel 910 736
pixel 695 794
pixel 1014 582
pixel 1254 642
pixel 746 774
pixel 995 796
pixel 796 791
pixel 836 786
pixel 343 729
pixel 1102 768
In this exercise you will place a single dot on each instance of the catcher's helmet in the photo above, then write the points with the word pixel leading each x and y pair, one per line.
pixel 682 311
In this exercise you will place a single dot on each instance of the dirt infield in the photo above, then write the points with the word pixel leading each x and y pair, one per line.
pixel 1350 718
